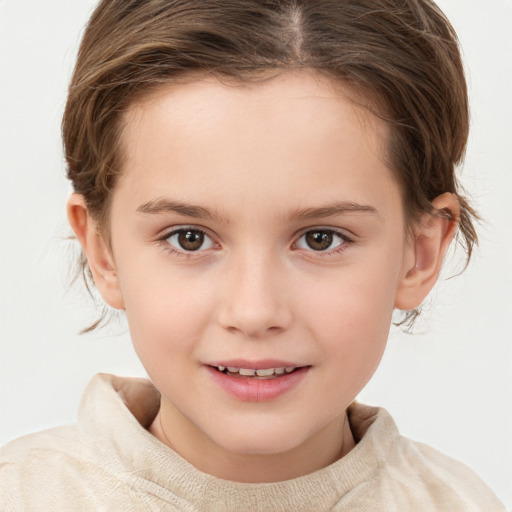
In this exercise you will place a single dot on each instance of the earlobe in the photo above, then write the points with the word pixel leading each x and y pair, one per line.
pixel 99 256
pixel 433 235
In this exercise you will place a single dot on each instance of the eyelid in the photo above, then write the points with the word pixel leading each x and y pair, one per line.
pixel 170 231
pixel 344 233
pixel 347 240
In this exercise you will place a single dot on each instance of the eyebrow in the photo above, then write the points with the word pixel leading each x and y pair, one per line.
pixel 332 210
pixel 159 206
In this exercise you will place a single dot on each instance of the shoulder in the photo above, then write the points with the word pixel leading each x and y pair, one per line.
pixel 83 465
pixel 38 468
pixel 409 474
pixel 61 443
pixel 443 479
pixel 29 466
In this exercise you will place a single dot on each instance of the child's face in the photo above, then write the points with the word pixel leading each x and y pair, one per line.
pixel 296 253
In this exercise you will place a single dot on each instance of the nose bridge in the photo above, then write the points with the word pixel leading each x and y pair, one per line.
pixel 255 299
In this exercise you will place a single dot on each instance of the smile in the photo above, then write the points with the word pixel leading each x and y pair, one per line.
pixel 263 373
pixel 257 384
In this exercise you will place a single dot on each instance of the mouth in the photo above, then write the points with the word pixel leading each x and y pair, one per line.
pixel 256 373
pixel 257 381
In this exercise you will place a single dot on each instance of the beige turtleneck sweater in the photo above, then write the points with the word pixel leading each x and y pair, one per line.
pixel 108 461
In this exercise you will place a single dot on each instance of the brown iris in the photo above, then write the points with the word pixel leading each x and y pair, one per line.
pixel 190 239
pixel 319 240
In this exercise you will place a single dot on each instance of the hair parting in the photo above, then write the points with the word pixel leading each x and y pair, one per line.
pixel 401 56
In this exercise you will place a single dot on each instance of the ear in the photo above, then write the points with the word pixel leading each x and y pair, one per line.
pixel 99 256
pixel 432 237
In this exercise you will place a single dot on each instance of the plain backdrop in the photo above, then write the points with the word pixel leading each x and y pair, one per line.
pixel 449 386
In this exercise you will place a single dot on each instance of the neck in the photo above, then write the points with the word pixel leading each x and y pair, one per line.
pixel 320 450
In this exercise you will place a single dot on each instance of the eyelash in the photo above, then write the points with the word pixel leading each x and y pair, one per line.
pixel 163 240
pixel 346 241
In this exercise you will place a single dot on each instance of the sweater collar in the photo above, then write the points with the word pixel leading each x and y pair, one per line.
pixel 118 410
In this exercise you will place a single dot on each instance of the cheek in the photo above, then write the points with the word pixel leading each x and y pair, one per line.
pixel 351 301
pixel 166 312
pixel 350 316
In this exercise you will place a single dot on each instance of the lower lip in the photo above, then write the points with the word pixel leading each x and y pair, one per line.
pixel 250 389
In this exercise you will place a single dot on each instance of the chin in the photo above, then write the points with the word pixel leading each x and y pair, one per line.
pixel 258 440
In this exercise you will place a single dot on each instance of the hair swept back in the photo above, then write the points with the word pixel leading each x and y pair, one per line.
pixel 404 53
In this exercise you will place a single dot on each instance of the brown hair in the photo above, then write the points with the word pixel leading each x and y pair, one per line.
pixel 402 52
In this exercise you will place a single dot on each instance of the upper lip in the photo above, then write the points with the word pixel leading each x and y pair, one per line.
pixel 263 364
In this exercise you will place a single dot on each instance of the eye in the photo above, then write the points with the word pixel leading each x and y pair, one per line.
pixel 321 240
pixel 189 240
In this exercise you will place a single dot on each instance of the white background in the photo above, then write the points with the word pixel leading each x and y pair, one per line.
pixel 450 386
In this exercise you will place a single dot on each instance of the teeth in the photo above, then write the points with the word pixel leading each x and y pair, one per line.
pixel 250 372
pixel 265 373
pixel 247 372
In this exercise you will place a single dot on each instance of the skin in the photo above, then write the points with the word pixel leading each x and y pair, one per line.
pixel 257 161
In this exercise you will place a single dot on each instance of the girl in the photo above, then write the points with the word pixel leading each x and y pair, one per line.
pixel 259 186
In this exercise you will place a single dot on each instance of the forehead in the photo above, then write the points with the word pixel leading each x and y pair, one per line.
pixel 299 133
pixel 287 98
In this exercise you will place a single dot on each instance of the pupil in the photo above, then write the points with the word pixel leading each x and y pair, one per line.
pixel 319 240
pixel 191 240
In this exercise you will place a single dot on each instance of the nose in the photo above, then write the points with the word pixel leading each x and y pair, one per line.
pixel 256 301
